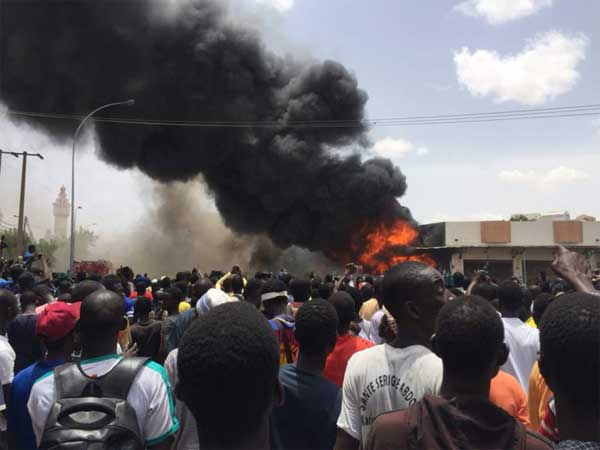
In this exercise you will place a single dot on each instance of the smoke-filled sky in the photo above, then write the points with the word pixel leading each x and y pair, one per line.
pixel 410 58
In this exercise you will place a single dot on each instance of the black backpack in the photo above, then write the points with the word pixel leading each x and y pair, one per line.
pixel 93 413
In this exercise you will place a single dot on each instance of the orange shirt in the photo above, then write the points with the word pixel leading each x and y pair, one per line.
pixel 346 346
pixel 506 393
pixel 539 393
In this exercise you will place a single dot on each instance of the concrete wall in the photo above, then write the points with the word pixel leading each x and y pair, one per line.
pixel 463 234
pixel 523 234
pixel 591 233
pixel 532 233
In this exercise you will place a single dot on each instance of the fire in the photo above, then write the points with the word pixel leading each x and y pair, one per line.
pixel 384 246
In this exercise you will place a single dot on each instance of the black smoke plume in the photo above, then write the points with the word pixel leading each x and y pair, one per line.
pixel 185 61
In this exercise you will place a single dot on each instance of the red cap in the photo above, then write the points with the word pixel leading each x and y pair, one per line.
pixel 57 320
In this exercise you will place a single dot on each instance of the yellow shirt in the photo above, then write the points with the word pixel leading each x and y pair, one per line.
pixel 537 397
pixel 531 322
pixel 184 306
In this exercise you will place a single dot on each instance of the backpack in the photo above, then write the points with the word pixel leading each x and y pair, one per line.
pixel 93 413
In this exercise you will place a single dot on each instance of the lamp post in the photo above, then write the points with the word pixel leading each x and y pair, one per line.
pixel 81 124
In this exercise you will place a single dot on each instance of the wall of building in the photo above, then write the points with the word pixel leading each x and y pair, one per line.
pixel 591 233
pixel 522 234
pixel 463 234
pixel 60 226
pixel 532 233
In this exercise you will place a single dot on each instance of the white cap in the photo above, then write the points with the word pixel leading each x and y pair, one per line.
pixel 212 299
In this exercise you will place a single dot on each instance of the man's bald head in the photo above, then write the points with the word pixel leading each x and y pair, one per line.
pixel 416 284
pixel 102 314
pixel 85 288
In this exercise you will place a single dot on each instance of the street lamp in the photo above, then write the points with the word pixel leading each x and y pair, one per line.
pixel 81 124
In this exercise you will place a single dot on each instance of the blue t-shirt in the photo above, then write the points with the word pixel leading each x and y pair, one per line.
pixel 19 421
pixel 26 344
pixel 128 303
pixel 307 419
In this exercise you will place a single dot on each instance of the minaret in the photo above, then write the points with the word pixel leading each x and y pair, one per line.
pixel 61 214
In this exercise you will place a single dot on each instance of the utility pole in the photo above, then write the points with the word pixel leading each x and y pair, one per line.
pixel 20 228
pixel 20 225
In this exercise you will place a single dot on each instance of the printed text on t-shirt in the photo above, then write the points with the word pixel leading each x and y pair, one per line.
pixel 384 381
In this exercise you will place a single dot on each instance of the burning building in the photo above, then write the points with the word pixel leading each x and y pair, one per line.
pixel 212 101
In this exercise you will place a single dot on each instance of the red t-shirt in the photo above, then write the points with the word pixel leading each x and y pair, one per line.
pixel 346 346
pixel 147 294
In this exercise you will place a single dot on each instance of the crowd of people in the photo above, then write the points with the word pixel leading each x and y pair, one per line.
pixel 405 360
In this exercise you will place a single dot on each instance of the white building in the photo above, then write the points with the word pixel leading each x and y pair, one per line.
pixel 506 249
pixel 61 209
pixel 552 215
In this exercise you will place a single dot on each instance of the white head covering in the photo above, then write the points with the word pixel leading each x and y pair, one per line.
pixel 212 299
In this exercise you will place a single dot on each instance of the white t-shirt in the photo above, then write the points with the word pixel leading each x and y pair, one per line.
pixel 375 324
pixel 187 437
pixel 149 396
pixel 365 329
pixel 7 367
pixel 524 344
pixel 382 379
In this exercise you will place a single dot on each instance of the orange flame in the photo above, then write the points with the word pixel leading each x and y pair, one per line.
pixel 386 245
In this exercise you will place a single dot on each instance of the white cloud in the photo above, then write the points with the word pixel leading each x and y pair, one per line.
pixel 549 181
pixel 279 5
pixel 501 11
pixel 397 148
pixel 543 70
pixel 561 174
pixel 517 175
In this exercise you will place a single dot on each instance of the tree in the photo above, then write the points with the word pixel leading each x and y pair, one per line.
pixel 519 218
pixel 85 240
pixel 11 240
pixel 49 248
pixel 57 250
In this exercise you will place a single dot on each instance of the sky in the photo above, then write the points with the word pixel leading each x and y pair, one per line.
pixel 412 57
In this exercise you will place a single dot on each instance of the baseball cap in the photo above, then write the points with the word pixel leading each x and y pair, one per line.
pixel 57 320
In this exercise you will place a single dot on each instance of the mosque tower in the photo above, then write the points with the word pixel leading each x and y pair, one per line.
pixel 61 214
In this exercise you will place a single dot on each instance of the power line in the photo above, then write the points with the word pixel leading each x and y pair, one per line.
pixel 554 110
pixel 439 119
